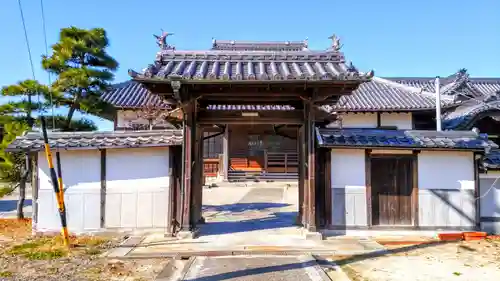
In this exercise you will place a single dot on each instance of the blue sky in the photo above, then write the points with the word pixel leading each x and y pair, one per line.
pixel 393 37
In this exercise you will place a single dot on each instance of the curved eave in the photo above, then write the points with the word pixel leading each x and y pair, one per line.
pixel 348 79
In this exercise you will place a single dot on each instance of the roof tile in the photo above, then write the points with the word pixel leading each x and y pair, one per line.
pixel 132 94
pixel 449 140
pixel 33 141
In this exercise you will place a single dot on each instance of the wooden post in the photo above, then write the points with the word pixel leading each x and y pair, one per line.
pixel 198 187
pixel 103 188
pixel 311 172
pixel 225 152
pixel 368 184
pixel 302 177
pixel 187 145
pixel 414 195
pixel 34 189
pixel 328 186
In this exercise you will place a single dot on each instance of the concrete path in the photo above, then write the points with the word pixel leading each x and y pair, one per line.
pixel 256 268
pixel 8 204
pixel 247 220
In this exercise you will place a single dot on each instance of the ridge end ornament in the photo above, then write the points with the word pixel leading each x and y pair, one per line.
pixel 161 40
pixel 336 46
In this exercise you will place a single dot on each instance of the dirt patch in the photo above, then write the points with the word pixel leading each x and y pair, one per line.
pixel 464 260
pixel 23 257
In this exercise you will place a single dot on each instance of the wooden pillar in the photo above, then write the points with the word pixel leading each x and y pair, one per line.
pixel 311 161
pixel 328 187
pixel 198 188
pixel 301 174
pixel 34 189
pixel 477 191
pixel 225 152
pixel 189 133
pixel 103 188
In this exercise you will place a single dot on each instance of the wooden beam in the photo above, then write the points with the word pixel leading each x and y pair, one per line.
pixel 250 121
pixel 103 188
pixel 235 101
pixel 242 115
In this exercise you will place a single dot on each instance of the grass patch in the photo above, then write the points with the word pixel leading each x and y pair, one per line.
pixel 50 248
pixel 39 249
pixel 6 274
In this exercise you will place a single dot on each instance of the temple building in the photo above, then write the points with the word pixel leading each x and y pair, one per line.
pixel 363 149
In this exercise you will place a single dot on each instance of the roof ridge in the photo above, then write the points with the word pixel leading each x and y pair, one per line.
pixel 408 88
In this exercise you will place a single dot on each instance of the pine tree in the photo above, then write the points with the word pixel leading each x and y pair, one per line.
pixel 83 69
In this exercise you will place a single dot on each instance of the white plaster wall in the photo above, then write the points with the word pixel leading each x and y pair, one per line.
pixel 359 120
pixel 489 187
pixel 445 170
pixel 402 121
pixel 445 179
pixel 137 187
pixel 136 190
pixel 446 189
pixel 348 168
pixel 82 185
pixel 348 187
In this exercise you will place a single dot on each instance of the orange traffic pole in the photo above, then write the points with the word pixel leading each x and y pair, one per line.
pixel 56 183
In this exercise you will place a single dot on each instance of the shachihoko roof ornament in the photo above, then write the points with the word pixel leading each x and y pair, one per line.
pixel 161 40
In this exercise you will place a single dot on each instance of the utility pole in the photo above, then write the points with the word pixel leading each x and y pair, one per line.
pixel 438 103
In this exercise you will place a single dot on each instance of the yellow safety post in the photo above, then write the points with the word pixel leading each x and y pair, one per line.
pixel 56 183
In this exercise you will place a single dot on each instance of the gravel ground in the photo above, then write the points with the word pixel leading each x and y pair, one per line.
pixel 471 260
pixel 23 257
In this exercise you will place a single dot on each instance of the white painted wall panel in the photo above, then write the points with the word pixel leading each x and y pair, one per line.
pixel 137 190
pixel 348 187
pixel 445 170
pixel 81 179
pixel 446 189
pixel 348 168
pixel 402 121
pixel 489 187
pixel 137 187
pixel 446 183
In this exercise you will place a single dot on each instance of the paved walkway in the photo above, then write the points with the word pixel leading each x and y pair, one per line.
pixel 254 269
pixel 8 204
pixel 249 235
pixel 243 220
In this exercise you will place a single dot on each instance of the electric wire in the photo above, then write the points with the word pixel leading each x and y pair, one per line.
pixel 26 39
pixel 44 27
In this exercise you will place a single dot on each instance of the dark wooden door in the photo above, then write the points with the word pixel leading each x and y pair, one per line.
pixel 391 188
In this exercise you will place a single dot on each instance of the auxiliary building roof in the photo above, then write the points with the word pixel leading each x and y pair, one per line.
pixel 404 139
pixel 33 141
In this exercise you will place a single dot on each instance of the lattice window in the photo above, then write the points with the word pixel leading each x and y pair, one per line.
pixel 212 147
